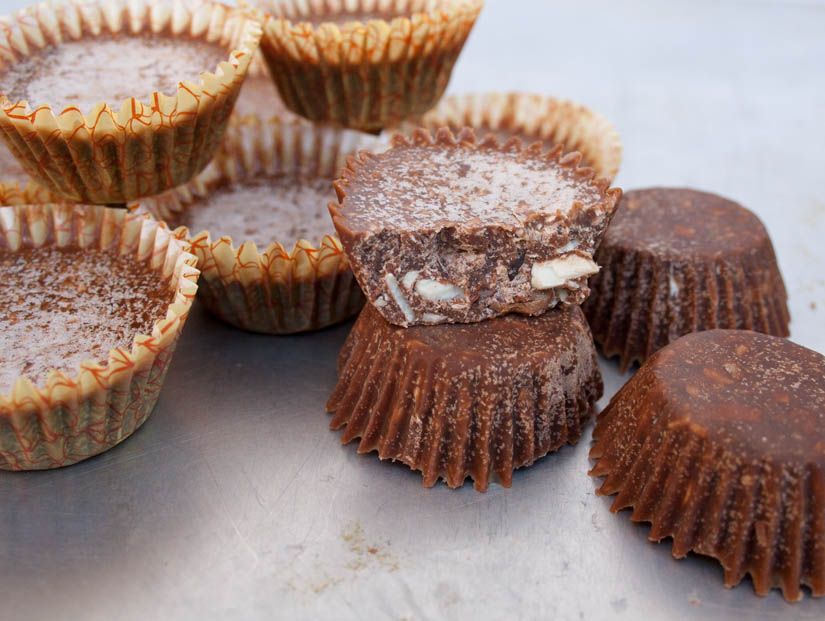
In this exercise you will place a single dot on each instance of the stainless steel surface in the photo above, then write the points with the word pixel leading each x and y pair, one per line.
pixel 235 499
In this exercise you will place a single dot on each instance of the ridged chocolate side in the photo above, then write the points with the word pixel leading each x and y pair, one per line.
pixel 725 470
pixel 475 400
pixel 649 293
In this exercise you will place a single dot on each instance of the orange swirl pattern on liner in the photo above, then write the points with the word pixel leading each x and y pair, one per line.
pixel 536 117
pixel 276 291
pixel 76 417
pixel 366 75
pixel 144 148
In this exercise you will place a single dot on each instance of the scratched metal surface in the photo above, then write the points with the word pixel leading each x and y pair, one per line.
pixel 234 498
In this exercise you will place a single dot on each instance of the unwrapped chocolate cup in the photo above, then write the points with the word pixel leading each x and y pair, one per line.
pixel 74 417
pixel 332 68
pixel 108 156
pixel 532 118
pixel 675 261
pixel 293 285
pixel 466 400
pixel 719 442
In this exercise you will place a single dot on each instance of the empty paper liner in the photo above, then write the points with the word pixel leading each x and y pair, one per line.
pixel 466 400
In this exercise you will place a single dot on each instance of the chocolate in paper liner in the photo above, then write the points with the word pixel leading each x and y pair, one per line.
pixel 532 117
pixel 108 156
pixel 575 232
pixel 75 417
pixel 466 400
pixel 275 291
pixel 718 442
pixel 364 75
pixel 643 299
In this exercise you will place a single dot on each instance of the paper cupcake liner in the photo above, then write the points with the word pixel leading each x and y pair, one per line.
pixel 532 118
pixel 109 156
pixel 365 75
pixel 13 193
pixel 640 303
pixel 759 517
pixel 277 291
pixel 75 417
pixel 454 419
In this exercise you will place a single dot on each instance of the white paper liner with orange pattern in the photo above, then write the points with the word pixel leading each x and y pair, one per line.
pixel 364 75
pixel 532 118
pixel 276 291
pixel 75 417
pixel 113 156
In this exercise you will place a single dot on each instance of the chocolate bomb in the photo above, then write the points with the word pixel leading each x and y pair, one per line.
pixel 461 400
pixel 450 230
pixel 719 442
pixel 676 261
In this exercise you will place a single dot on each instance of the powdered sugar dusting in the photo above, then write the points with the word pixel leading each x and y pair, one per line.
pixel 283 209
pixel 61 307
pixel 108 69
pixel 418 187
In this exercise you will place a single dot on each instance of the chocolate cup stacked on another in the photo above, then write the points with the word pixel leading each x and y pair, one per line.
pixel 360 66
pixel 676 261
pixel 121 100
pixel 719 442
pixel 454 232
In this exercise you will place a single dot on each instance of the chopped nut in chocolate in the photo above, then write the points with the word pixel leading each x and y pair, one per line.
pixel 454 230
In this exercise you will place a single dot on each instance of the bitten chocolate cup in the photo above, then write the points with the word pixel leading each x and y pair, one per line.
pixel 450 229
pixel 675 261
pixel 92 302
pixel 267 188
pixel 106 102
pixel 530 118
pixel 719 442
pixel 362 64
pixel 466 400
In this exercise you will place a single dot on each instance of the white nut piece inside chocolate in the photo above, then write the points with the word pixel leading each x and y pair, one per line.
pixel 435 290
pixel 398 296
pixel 556 272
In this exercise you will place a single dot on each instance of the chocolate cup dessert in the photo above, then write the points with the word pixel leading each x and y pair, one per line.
pixel 93 302
pixel 719 442
pixel 676 261
pixel 459 400
pixel 267 188
pixel 363 68
pixel 448 229
pixel 119 101
pixel 532 117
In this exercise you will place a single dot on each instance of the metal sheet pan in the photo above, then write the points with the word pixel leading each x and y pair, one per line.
pixel 236 500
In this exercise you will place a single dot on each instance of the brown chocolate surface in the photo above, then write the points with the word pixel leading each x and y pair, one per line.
pixel 461 400
pixel 676 261
pixel 108 68
pixel 447 229
pixel 61 307
pixel 719 441
pixel 680 223
pixel 281 208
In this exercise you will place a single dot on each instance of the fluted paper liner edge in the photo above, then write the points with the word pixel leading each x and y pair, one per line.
pixel 113 156
pixel 76 416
